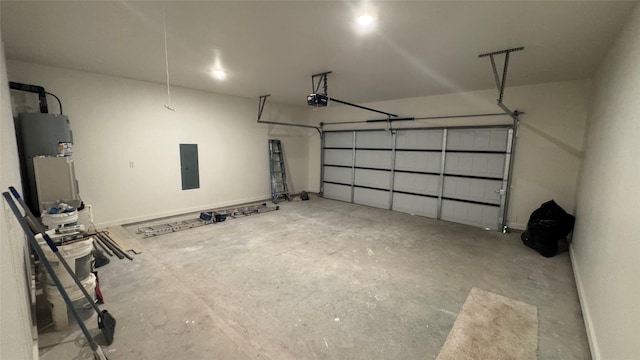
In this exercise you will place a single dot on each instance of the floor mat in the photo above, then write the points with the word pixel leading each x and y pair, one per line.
pixel 491 326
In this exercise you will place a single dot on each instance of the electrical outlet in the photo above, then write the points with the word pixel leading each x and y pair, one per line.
pixel 132 164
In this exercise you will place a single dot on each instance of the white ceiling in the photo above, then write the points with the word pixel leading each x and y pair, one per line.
pixel 273 47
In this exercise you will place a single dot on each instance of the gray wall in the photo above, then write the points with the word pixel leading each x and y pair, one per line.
pixel 606 247
pixel 15 331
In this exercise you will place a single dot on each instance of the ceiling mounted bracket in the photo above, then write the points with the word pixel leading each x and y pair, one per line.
pixel 319 79
pixel 318 99
pixel 501 82
pixel 261 101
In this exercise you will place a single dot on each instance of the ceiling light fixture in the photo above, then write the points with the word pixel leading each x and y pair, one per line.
pixel 365 20
pixel 219 74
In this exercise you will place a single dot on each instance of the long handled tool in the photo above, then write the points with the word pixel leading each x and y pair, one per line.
pixel 97 351
pixel 106 322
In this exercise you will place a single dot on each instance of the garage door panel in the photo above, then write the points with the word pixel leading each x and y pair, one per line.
pixel 370 197
pixel 485 216
pixel 374 140
pixel 477 139
pixel 337 192
pixel 338 139
pixel 338 157
pixel 474 169
pixel 373 159
pixel 480 190
pixel 418 161
pixel 419 139
pixel 414 204
pixel 416 183
pixel 373 178
pixel 337 174
pixel 475 164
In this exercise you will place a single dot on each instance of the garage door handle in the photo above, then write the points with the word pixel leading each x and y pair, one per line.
pixel 500 191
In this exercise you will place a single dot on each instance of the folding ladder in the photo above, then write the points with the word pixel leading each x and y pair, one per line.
pixel 279 187
pixel 206 218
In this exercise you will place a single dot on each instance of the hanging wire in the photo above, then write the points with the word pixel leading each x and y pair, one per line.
pixel 166 57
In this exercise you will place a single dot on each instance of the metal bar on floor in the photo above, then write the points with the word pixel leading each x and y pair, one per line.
pixel 206 218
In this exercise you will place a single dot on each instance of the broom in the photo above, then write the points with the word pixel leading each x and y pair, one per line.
pixel 106 322
pixel 98 354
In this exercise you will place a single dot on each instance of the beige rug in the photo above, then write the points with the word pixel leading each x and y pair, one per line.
pixel 491 326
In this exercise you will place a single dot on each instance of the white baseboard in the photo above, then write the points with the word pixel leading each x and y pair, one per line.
pixel 183 211
pixel 588 323
pixel 518 226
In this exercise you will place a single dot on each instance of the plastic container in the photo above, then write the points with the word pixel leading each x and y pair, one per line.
pixel 52 221
pixel 76 254
pixel 85 217
pixel 62 318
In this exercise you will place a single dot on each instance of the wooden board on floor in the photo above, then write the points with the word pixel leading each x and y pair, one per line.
pixel 124 239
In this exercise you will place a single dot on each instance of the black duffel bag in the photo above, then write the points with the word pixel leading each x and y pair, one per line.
pixel 547 225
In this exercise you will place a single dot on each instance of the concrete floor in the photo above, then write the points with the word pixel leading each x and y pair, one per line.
pixel 323 279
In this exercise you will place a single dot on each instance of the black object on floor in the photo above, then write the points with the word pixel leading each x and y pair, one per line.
pixel 106 322
pixel 101 258
pixel 547 225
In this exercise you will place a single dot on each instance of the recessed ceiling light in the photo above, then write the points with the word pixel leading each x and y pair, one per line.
pixel 219 74
pixel 365 20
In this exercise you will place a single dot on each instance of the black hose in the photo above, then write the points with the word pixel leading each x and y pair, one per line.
pixel 57 98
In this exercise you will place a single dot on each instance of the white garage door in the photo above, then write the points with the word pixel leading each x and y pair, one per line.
pixel 452 174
